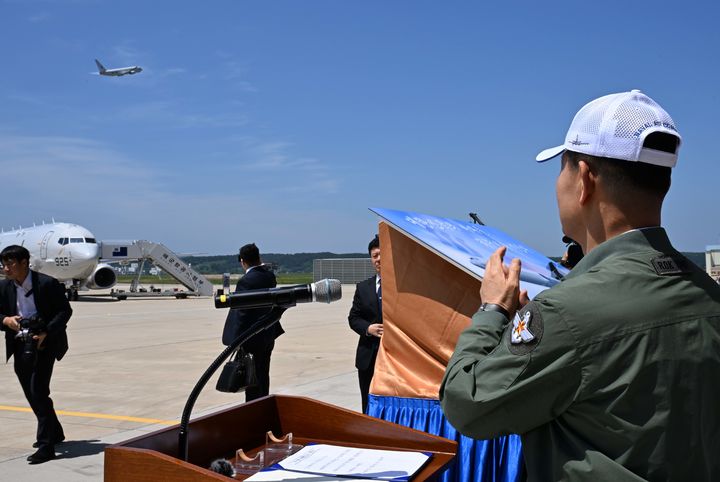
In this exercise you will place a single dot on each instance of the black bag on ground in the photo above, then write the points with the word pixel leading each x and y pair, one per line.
pixel 238 373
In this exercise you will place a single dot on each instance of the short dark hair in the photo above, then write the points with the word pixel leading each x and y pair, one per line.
pixel 625 177
pixel 15 253
pixel 250 254
pixel 375 243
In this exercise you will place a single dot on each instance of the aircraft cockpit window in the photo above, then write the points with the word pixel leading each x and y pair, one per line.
pixel 90 240
pixel 62 241
pixel 77 240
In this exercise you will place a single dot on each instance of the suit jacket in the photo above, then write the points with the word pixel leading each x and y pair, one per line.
pixel 364 312
pixel 52 306
pixel 240 319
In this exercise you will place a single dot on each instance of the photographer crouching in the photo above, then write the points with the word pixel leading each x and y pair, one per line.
pixel 34 312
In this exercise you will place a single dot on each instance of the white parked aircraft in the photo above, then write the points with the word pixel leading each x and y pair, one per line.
pixel 117 72
pixel 64 251
pixel 71 254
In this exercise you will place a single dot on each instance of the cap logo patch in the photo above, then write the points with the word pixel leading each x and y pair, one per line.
pixel 520 331
pixel 578 142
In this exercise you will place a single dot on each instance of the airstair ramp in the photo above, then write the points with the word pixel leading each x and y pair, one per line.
pixel 712 261
pixel 164 258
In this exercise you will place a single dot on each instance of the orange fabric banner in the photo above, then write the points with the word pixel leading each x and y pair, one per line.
pixel 427 301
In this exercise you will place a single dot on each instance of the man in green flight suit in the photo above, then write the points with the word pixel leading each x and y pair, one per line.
pixel 613 374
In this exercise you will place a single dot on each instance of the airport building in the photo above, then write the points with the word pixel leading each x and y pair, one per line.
pixel 712 262
pixel 347 270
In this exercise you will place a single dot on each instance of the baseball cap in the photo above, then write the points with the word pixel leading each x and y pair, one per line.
pixel 616 126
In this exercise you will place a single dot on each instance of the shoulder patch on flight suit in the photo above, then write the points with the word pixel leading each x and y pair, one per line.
pixel 526 330
pixel 668 266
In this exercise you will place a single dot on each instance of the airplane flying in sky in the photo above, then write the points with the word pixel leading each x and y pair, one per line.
pixel 64 251
pixel 117 72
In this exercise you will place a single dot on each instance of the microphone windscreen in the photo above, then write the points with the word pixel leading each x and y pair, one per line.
pixel 327 290
pixel 223 467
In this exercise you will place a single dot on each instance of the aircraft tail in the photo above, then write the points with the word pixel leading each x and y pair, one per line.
pixel 100 66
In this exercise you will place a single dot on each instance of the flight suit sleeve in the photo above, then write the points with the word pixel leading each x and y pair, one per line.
pixel 497 383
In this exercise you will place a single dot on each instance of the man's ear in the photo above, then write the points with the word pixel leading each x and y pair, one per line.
pixel 588 182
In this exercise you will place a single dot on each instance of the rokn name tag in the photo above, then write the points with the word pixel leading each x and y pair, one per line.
pixel 666 266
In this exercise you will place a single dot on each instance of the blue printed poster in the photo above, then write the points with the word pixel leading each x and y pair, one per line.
pixel 469 246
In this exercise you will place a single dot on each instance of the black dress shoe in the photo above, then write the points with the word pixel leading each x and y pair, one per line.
pixel 55 442
pixel 42 455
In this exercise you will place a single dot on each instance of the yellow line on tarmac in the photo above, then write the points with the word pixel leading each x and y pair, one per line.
pixel 95 415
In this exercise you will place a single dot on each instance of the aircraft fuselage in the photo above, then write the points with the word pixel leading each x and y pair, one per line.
pixel 124 71
pixel 117 72
pixel 62 250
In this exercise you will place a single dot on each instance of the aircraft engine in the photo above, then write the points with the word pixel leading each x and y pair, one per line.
pixel 103 277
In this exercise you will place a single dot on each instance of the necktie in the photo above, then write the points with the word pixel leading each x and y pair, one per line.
pixel 379 296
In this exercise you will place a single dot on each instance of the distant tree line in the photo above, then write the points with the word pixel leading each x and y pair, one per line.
pixel 283 263
pixel 303 262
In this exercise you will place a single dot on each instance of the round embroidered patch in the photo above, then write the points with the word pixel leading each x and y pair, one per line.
pixel 525 331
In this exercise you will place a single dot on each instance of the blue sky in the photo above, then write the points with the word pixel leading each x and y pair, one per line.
pixel 281 122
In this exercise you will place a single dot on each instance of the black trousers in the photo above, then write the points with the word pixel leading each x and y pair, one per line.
pixel 365 377
pixel 261 354
pixel 35 381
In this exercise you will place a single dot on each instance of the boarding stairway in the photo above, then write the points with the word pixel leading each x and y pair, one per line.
pixel 160 256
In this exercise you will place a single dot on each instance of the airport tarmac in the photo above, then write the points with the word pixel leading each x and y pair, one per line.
pixel 133 363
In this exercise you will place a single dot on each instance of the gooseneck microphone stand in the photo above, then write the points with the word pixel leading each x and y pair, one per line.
pixel 261 324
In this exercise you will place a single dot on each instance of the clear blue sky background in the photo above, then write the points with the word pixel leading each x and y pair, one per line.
pixel 281 122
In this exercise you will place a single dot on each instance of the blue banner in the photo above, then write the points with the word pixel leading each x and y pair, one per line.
pixel 469 246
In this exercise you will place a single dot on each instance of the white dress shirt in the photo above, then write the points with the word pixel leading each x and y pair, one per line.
pixel 25 302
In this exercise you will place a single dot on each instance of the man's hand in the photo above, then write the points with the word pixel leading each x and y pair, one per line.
pixel 501 284
pixel 40 339
pixel 376 329
pixel 12 322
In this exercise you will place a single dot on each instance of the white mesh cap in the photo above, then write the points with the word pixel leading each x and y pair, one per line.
pixel 616 126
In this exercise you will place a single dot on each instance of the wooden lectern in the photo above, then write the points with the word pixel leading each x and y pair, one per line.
pixel 153 457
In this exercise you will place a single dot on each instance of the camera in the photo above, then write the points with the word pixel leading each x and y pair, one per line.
pixel 30 327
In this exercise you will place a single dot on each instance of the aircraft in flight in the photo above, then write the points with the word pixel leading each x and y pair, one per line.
pixel 117 72
pixel 67 252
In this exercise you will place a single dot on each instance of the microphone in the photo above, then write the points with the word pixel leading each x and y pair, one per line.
pixel 323 291
pixel 223 467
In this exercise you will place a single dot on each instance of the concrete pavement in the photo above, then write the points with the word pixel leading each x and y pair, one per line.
pixel 132 364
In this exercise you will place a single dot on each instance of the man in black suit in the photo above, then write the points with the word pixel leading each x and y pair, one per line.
pixel 257 276
pixel 366 320
pixel 23 294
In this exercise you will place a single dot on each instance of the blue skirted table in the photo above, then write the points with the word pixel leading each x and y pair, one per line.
pixel 496 460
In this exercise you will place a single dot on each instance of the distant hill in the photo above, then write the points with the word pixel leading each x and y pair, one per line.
pixel 303 262
pixel 284 263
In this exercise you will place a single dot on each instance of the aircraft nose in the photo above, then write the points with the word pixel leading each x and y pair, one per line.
pixel 86 251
